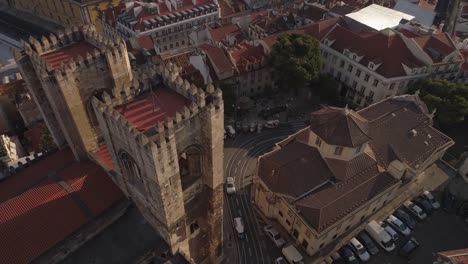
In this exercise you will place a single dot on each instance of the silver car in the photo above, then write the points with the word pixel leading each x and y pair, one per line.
pixel 274 236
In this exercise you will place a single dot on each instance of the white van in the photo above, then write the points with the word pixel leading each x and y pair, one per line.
pixel 239 225
pixel 380 236
pixel 292 255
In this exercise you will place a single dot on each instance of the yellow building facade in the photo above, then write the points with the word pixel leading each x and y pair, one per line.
pixel 66 12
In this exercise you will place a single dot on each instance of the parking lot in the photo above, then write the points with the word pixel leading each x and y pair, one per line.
pixel 439 232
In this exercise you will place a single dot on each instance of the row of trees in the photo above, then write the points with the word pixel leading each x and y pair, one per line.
pixel 450 100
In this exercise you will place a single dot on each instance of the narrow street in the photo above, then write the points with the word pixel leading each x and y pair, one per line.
pixel 240 161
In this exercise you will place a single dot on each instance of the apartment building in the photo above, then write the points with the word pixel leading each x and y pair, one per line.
pixel 329 178
pixel 66 13
pixel 168 22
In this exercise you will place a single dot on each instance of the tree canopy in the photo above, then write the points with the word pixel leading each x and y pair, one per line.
pixel 295 59
pixel 450 99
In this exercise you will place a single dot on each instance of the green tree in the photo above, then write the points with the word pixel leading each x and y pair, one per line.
pixel 295 60
pixel 450 99
pixel 46 142
pixel 327 88
pixel 229 97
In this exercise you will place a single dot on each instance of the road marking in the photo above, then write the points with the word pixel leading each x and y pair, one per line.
pixel 250 252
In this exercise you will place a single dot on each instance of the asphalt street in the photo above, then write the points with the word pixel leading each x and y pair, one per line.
pixel 240 161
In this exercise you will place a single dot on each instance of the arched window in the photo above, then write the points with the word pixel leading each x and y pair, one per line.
pixel 130 170
pixel 191 165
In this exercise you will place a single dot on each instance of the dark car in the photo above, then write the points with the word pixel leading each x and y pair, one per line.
pixel 348 255
pixel 337 259
pixel 405 218
pixel 449 201
pixel 424 204
pixel 368 243
pixel 408 248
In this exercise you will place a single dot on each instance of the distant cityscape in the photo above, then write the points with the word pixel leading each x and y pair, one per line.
pixel 234 131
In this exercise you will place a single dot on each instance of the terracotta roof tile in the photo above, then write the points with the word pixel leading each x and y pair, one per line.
pixel 437 46
pixel 67 53
pixel 220 33
pixel 36 212
pixel 218 59
pixel 245 54
pixel 459 256
pixel 104 156
pixel 386 46
pixel 152 107
pixel 337 126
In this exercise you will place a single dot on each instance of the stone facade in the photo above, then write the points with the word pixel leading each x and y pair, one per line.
pixel 78 102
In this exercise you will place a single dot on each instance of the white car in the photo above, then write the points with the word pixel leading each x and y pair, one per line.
pixel 428 196
pixel 274 236
pixel 415 210
pixel 359 249
pixel 398 225
pixel 231 131
pixel 239 226
pixel 230 187
pixel 280 260
pixel 389 230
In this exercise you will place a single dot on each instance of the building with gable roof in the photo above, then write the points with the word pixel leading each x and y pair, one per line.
pixel 167 22
pixel 328 179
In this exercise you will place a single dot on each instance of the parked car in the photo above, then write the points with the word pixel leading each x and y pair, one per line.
pixel 408 248
pixel 428 196
pixel 274 235
pixel 230 187
pixel 292 255
pixel 253 127
pixel 368 243
pixel 406 218
pixel 380 236
pixel 415 210
pixel 231 131
pixel 337 259
pixel 358 249
pixel 239 226
pixel 398 225
pixel 424 204
pixel 348 255
pixel 272 123
pixel 390 231
pixel 280 260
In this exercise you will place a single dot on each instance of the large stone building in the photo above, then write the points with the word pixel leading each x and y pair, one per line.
pixel 66 13
pixel 373 65
pixel 157 136
pixel 329 179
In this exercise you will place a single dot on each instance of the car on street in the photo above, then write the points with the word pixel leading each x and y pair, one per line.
pixel 383 239
pixel 230 187
pixel 408 248
pixel 415 210
pixel 428 196
pixel 390 231
pixel 405 217
pixel 424 204
pixel 359 250
pixel 239 226
pixel 231 131
pixel 336 258
pixel 280 260
pixel 348 255
pixel 398 225
pixel 368 243
pixel 274 235
pixel 292 255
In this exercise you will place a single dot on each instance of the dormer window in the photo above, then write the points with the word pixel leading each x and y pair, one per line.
pixel 338 151
pixel 318 142
pixel 371 65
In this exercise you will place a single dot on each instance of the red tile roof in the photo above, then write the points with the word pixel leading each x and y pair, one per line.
pixel 386 46
pixel 33 135
pixel 152 107
pixel 217 58
pixel 219 34
pixel 104 156
pixel 459 256
pixel 36 212
pixel 437 46
pixel 65 54
pixel 35 221
pixel 245 54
